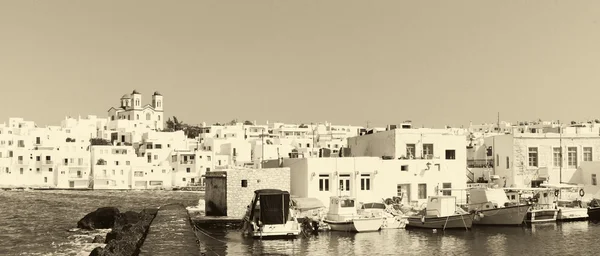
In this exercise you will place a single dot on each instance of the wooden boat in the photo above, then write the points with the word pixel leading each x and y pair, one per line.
pixel 568 209
pixel 492 207
pixel 593 210
pixel 343 216
pixel 390 221
pixel 310 212
pixel 441 212
pixel 541 202
pixel 269 215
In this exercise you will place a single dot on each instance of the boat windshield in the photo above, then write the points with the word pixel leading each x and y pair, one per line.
pixel 347 202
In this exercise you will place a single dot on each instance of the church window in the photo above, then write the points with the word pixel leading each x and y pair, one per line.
pixel 147 116
pixel 137 117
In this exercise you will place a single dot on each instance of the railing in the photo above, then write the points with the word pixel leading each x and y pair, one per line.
pixel 187 162
pixel 480 163
pixel 48 162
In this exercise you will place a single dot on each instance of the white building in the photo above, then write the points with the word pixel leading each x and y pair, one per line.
pixel 527 159
pixel 132 109
pixel 371 179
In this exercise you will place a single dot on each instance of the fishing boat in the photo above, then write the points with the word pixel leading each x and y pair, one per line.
pixel 343 216
pixel 540 200
pixel 492 207
pixel 390 220
pixel 269 215
pixel 441 212
pixel 568 207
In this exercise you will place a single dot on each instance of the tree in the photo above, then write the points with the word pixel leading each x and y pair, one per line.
pixel 101 162
pixel 248 122
pixel 174 125
pixel 99 142
pixel 233 122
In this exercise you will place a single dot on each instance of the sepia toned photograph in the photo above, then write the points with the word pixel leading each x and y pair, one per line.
pixel 299 127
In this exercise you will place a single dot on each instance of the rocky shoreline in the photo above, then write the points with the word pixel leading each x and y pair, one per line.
pixel 129 229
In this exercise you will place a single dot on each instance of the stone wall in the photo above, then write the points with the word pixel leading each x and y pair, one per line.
pixel 239 197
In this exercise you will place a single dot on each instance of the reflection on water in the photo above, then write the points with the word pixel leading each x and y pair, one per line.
pixel 37 223
pixel 571 238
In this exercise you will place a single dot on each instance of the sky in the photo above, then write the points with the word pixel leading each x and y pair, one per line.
pixel 342 61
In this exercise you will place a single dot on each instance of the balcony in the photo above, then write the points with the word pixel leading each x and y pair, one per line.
pixel 77 177
pixel 480 163
pixel 186 162
pixel 48 162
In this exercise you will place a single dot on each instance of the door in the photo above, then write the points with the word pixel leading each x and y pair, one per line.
pixel 404 193
pixel 345 184
pixel 79 174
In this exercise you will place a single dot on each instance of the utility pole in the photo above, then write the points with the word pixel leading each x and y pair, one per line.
pixel 262 147
pixel 561 152
pixel 368 124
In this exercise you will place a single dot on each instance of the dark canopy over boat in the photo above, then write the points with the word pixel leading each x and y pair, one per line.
pixel 274 206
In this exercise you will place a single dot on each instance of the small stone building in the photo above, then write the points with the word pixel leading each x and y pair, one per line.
pixel 229 192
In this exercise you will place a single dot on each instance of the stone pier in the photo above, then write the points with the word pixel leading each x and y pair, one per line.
pixel 171 233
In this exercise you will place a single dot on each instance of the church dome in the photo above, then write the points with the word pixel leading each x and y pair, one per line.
pixel 126 96
pixel 135 92
pixel 156 93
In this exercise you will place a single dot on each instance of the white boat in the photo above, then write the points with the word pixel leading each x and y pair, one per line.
pixel 270 216
pixel 390 221
pixel 541 201
pixel 492 207
pixel 441 212
pixel 343 216
pixel 569 206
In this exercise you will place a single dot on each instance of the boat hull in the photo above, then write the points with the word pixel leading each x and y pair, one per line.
pixel 512 215
pixel 454 221
pixel 594 213
pixel 541 215
pixel 289 230
pixel 570 214
pixel 356 225
pixel 394 223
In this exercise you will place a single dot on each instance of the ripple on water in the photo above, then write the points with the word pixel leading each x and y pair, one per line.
pixel 38 222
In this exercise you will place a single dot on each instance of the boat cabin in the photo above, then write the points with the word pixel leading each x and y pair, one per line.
pixel 270 207
pixel 343 205
pixel 440 206
pixel 488 198
pixel 541 198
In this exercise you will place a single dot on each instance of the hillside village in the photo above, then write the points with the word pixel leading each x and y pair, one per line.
pixel 139 146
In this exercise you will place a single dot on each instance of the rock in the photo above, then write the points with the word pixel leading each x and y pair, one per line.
pixel 128 233
pixel 128 217
pixel 97 251
pixel 102 218
pixel 98 239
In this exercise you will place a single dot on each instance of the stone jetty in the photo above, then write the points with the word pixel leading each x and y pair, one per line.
pixel 164 231
pixel 171 233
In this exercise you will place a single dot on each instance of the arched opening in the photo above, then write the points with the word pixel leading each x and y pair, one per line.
pixel 147 116
pixel 137 117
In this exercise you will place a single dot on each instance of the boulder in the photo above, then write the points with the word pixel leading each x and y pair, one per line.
pixel 128 233
pixel 97 251
pixel 102 218
pixel 128 217
pixel 98 239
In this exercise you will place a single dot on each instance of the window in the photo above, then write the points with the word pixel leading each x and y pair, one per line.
pixel 157 146
pixel 344 180
pixel 497 160
pixel 244 183
pixel 572 157
pixel 557 157
pixel 188 170
pixel 450 154
pixel 587 154
pixel 404 168
pixel 207 169
pixel 594 180
pixel 21 170
pixel 365 182
pixel 147 116
pixel 127 162
pixel 422 191
pixel 533 157
pixel 323 182
pixel 38 140
pixel 45 178
pixel 447 186
pixel 122 172
pixel 50 170
pixel 507 162
pixel 428 151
